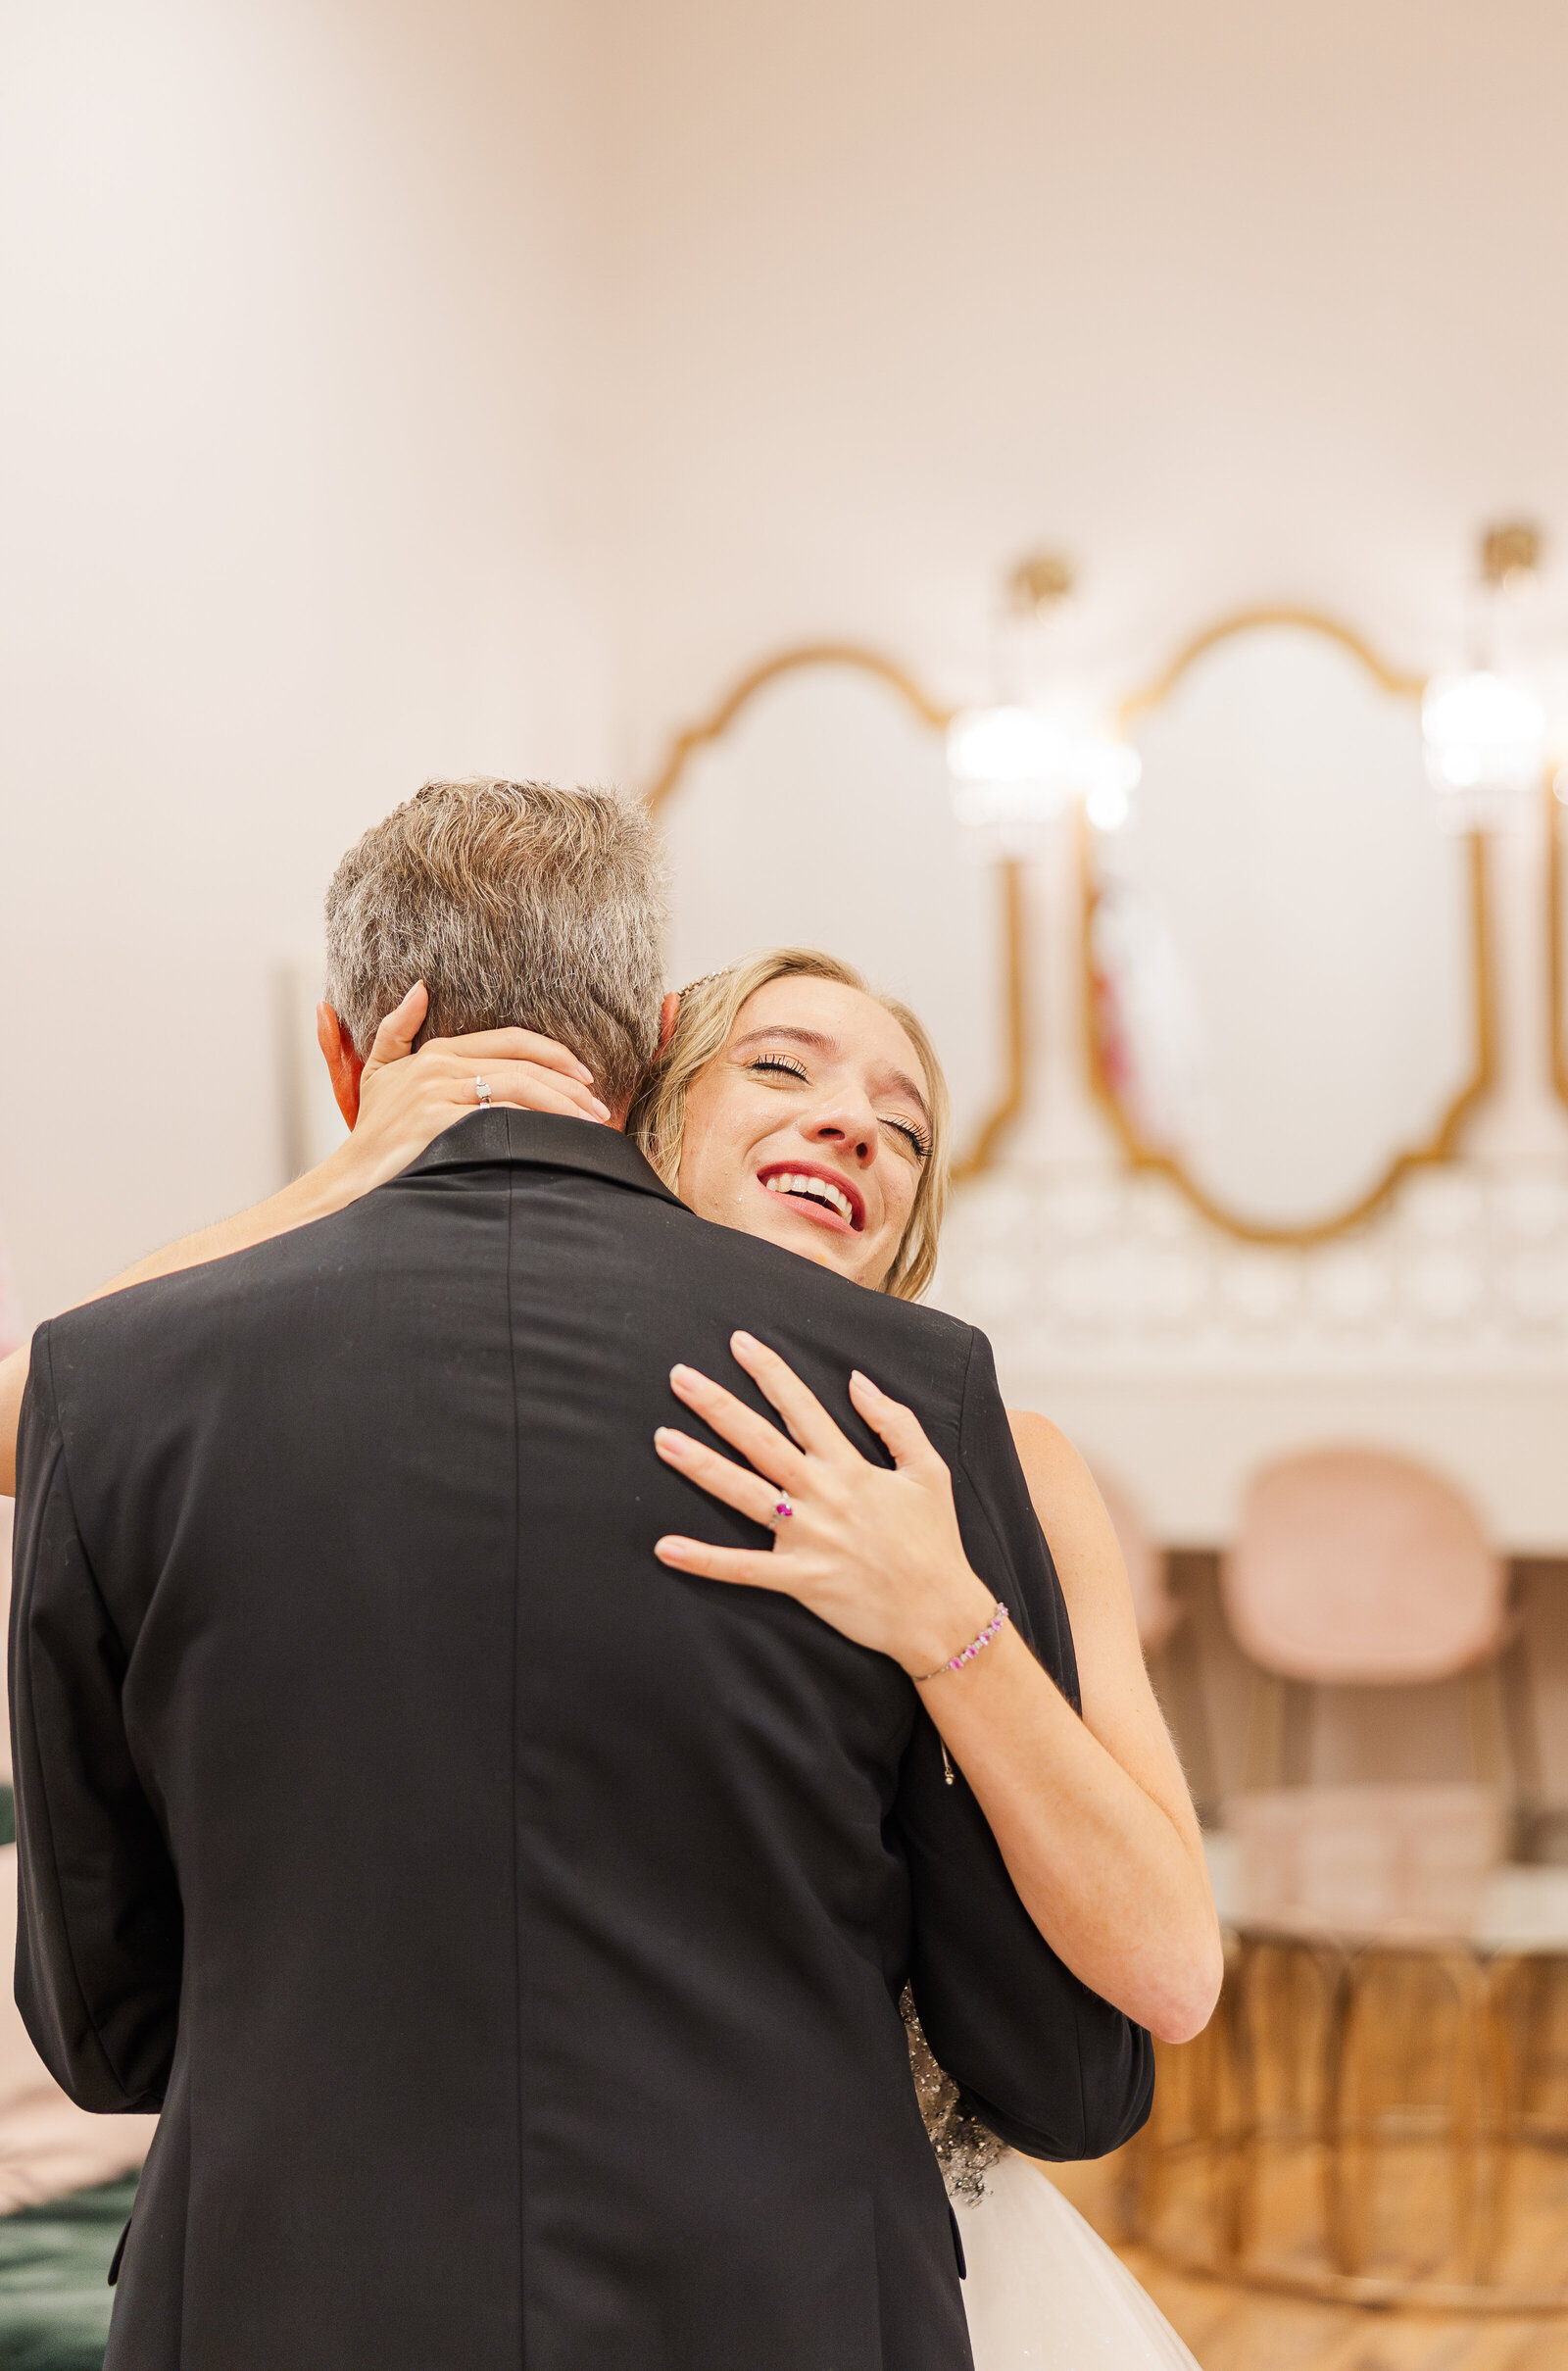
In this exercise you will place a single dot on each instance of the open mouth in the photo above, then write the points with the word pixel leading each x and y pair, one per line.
pixel 823 1196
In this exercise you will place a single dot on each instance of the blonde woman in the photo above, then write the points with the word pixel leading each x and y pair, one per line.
pixel 791 1103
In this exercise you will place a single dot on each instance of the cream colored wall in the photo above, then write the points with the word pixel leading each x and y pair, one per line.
pixel 1236 303
pixel 405 388
pixel 289 483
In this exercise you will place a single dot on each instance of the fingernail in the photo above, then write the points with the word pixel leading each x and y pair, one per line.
pixel 603 1109
pixel 683 1374
pixel 742 1341
pixel 855 1376
pixel 667 1439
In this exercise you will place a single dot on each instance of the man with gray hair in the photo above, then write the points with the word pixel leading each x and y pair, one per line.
pixel 509 1928
pixel 515 904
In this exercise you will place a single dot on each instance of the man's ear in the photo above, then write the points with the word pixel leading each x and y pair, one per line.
pixel 668 1014
pixel 344 1066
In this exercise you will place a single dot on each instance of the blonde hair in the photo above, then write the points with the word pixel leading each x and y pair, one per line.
pixel 519 906
pixel 709 1010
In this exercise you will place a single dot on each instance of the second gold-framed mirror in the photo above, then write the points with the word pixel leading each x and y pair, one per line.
pixel 1287 958
pixel 812 806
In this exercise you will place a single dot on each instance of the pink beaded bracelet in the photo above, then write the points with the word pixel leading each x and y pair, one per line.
pixel 966 1654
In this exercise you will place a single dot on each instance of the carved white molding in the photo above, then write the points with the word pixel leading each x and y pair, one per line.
pixel 1088 1269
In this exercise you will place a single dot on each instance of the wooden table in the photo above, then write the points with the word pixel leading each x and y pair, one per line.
pixel 1375 2119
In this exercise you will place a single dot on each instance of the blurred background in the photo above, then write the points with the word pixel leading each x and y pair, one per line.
pixel 1070 509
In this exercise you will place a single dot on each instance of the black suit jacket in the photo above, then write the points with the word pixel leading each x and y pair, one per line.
pixel 510 1929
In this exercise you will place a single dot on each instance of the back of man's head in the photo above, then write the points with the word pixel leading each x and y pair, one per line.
pixel 519 906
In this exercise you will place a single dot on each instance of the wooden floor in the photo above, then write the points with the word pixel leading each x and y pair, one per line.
pixel 1233 2329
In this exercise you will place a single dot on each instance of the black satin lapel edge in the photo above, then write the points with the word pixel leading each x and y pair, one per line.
pixel 548 1140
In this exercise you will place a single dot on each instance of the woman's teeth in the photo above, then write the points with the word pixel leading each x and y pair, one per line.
pixel 814 1189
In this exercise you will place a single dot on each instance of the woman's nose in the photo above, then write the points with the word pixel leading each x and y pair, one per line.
pixel 849 1125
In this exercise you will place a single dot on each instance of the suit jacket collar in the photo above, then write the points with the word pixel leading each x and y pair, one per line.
pixel 542 1140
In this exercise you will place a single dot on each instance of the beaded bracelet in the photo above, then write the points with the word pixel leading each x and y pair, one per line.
pixel 966 1654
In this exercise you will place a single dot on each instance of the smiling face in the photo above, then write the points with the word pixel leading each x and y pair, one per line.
pixel 811 1127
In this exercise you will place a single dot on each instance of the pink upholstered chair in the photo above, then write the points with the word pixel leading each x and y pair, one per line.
pixel 1354 1567
pixel 47 2146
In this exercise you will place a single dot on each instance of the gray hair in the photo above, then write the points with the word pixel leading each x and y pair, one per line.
pixel 519 906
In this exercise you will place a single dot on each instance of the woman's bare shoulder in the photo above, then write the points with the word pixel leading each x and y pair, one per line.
pixel 1072 1515
pixel 1050 1461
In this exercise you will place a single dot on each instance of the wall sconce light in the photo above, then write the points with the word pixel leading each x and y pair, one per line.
pixel 1018 766
pixel 1484 731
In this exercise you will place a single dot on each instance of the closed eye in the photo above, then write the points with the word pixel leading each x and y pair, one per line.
pixel 912 1137
pixel 786 1065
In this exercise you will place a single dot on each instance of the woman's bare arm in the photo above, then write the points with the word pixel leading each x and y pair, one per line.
pixel 404 1102
pixel 12 1383
pixel 1120 1706
pixel 1092 1817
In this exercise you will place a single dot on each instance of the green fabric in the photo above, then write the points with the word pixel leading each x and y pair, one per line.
pixel 54 2279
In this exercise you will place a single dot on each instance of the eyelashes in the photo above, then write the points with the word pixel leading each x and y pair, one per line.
pixel 782 1066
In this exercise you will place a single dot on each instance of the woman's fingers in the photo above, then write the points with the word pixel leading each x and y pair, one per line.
pixel 529 1085
pixel 394 1040
pixel 408 1103
pixel 763 1443
pixel 513 1045
pixel 519 1053
pixel 533 1089
pixel 800 1410
pixel 894 1424
pixel 732 1485
pixel 751 1567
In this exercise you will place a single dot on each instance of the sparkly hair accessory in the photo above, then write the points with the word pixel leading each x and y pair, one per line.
pixel 723 972
pixel 966 1654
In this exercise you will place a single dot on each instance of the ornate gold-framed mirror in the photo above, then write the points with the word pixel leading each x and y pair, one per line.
pixel 1287 970
pixel 812 806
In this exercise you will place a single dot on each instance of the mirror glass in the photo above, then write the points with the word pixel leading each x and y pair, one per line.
pixel 821 816
pixel 1286 983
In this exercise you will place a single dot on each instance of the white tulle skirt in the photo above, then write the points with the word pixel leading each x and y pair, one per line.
pixel 1044 2292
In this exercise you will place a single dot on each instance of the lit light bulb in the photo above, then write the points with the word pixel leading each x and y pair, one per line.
pixel 1108 806
pixel 1485 742
pixel 1005 745
pixel 1108 773
pixel 1016 805
pixel 1014 770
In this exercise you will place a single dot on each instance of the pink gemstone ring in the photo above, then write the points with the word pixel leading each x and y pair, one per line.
pixel 784 1508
